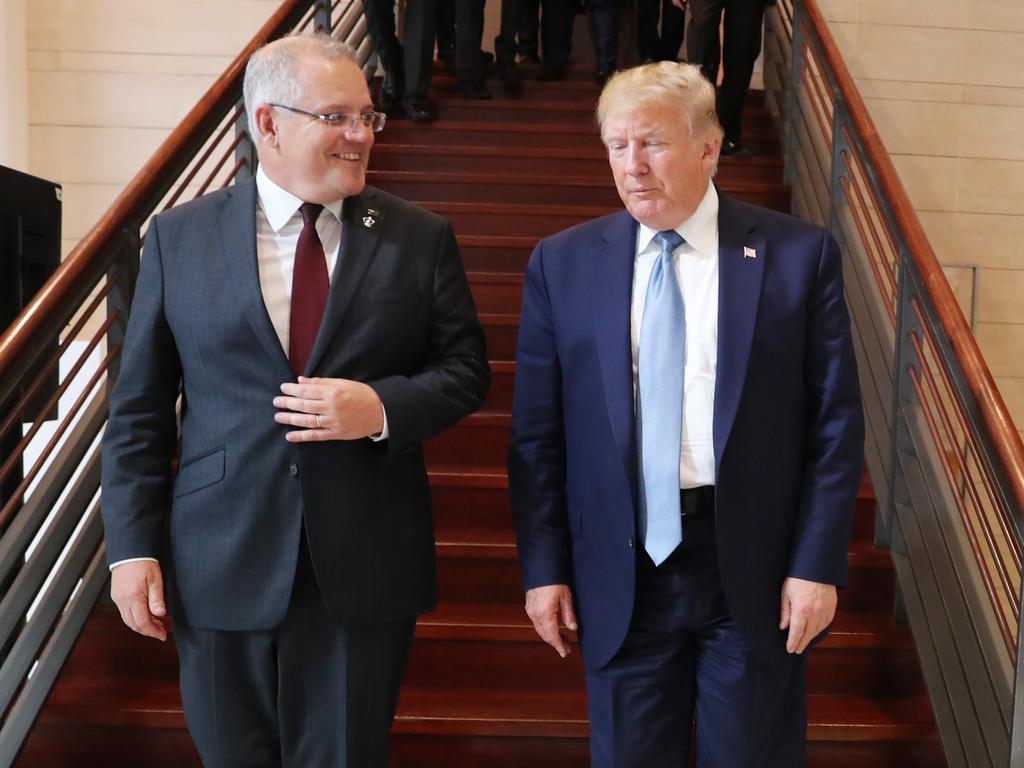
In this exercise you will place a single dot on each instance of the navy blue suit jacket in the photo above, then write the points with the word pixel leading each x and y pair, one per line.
pixel 788 425
pixel 399 317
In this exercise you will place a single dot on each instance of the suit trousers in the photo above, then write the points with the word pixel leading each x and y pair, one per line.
pixel 684 657
pixel 740 47
pixel 658 45
pixel 469 32
pixel 412 64
pixel 309 693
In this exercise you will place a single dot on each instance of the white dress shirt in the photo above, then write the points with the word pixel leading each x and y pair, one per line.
pixel 696 265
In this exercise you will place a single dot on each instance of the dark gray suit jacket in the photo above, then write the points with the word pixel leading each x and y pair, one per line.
pixel 399 317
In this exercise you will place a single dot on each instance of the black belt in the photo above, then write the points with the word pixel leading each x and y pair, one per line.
pixel 697 501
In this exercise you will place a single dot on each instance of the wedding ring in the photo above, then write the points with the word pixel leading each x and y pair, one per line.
pixel 318 425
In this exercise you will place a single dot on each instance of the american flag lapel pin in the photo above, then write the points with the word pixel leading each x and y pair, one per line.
pixel 749 253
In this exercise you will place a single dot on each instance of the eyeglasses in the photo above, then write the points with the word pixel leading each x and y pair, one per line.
pixel 372 120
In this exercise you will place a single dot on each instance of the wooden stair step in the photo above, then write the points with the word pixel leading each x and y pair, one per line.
pixel 540 160
pixel 756 124
pixel 484 134
pixel 496 292
pixel 485 712
pixel 549 190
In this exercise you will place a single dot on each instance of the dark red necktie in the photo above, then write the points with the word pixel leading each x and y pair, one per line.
pixel 309 289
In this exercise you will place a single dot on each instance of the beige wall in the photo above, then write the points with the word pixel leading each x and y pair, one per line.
pixel 109 79
pixel 944 82
pixel 13 86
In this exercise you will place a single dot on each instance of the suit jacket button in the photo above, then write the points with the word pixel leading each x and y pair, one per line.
pixel 629 543
pixel 293 470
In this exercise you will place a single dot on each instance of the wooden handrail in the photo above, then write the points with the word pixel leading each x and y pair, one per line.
pixel 73 280
pixel 1002 431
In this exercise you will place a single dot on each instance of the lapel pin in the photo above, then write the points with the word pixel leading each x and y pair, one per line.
pixel 368 220
pixel 749 253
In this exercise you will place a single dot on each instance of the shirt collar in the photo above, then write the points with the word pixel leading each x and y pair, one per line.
pixel 279 205
pixel 700 230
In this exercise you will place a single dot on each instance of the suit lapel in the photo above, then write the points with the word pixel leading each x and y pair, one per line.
pixel 238 248
pixel 362 223
pixel 739 291
pixel 612 290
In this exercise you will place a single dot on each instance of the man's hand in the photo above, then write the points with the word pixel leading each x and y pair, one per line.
pixel 807 608
pixel 681 4
pixel 544 606
pixel 329 409
pixel 137 590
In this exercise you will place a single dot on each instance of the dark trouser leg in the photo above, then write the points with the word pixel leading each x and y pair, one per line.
pixel 682 655
pixel 505 42
pixel 603 17
pixel 420 23
pixel 703 46
pixel 445 25
pixel 647 39
pixel 744 21
pixel 469 32
pixel 380 25
pixel 310 692
pixel 673 25
pixel 338 685
pixel 228 689
pixel 529 27
pixel 556 22
pixel 749 711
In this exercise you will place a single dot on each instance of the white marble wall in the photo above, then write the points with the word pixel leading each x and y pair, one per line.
pixel 944 82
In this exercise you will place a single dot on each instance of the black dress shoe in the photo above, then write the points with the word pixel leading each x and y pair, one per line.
pixel 509 77
pixel 417 112
pixel 601 76
pixel 390 96
pixel 735 149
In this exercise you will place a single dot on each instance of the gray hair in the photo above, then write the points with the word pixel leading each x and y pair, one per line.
pixel 663 83
pixel 270 73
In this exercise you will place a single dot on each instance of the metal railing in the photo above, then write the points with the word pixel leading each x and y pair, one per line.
pixel 943 454
pixel 52 566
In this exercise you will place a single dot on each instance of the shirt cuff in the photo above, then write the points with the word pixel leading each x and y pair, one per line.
pixel 133 560
pixel 384 431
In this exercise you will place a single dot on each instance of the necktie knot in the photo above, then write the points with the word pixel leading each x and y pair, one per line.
pixel 310 212
pixel 668 240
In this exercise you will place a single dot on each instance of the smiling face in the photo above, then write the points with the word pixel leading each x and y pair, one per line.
pixel 661 173
pixel 316 162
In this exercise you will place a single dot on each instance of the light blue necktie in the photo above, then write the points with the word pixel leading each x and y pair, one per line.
pixel 660 404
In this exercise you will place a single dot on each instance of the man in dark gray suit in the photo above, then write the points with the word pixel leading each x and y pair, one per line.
pixel 319 331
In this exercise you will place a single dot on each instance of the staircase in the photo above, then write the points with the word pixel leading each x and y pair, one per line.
pixel 480 688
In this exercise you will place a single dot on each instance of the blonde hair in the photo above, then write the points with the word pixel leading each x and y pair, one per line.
pixel 664 83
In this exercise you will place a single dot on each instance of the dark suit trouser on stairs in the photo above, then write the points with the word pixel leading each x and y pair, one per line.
pixel 741 44
pixel 412 63
pixel 655 45
pixel 308 694
pixel 684 653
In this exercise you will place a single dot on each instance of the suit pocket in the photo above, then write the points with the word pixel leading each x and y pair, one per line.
pixel 199 472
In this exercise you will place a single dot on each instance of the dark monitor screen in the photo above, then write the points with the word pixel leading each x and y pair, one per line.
pixel 30 227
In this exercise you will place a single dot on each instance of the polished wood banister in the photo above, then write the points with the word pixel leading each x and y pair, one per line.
pixel 72 281
pixel 1005 438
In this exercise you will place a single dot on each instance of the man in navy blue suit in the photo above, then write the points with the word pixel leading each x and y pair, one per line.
pixel 686 445
pixel 318 330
